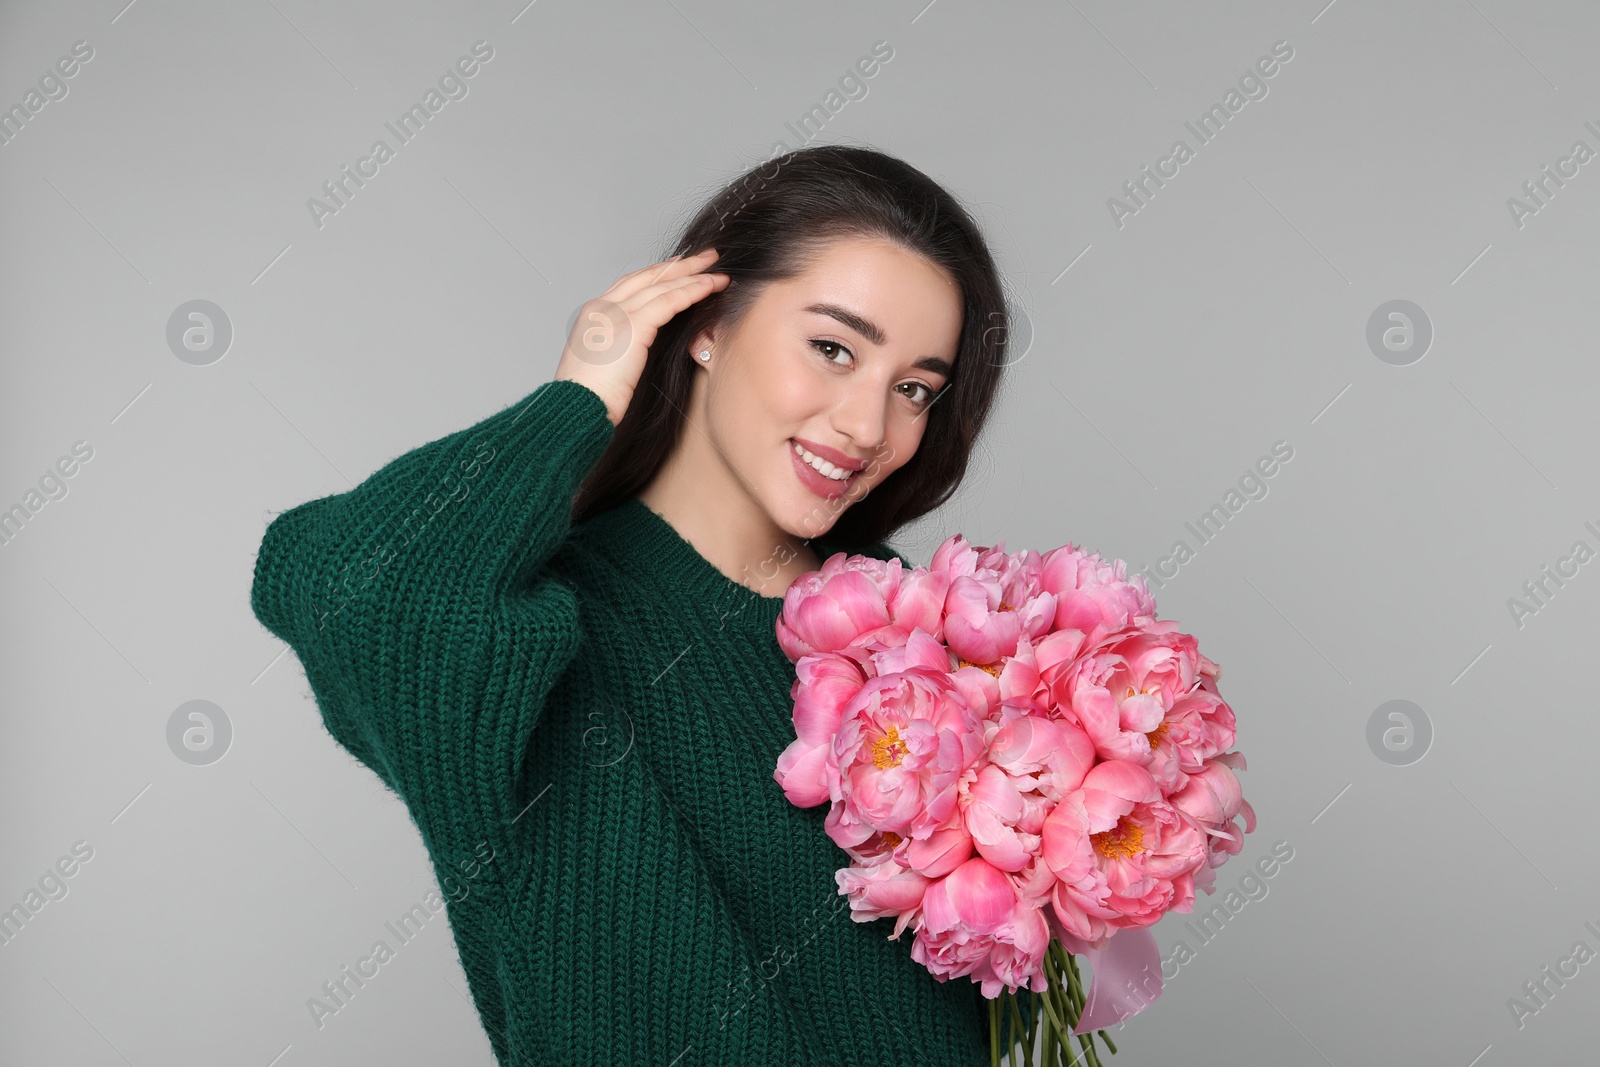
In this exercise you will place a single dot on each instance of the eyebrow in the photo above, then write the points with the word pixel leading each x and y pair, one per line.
pixel 874 333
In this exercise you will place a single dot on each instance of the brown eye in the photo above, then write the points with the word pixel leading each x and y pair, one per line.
pixel 820 343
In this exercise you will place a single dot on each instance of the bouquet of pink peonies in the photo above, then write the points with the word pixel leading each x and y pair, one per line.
pixel 1022 763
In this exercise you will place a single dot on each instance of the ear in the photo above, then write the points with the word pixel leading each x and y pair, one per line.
pixel 704 341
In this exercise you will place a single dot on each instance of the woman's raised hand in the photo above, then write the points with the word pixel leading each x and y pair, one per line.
pixel 612 336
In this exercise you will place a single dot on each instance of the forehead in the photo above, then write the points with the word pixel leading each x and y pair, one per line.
pixel 889 296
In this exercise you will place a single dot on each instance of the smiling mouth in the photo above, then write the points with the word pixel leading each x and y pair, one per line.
pixel 821 466
pixel 815 480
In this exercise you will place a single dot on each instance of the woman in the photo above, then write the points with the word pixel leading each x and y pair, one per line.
pixel 553 633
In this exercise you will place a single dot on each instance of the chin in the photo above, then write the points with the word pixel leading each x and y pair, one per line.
pixel 821 516
pixel 803 511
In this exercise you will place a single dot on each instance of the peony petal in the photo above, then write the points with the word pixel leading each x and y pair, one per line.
pixel 941 852
pixel 980 895
pixel 801 773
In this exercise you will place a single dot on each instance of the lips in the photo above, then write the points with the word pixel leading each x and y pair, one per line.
pixel 842 460
pixel 815 480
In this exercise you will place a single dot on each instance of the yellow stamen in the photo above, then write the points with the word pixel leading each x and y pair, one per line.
pixel 888 750
pixel 1121 841
pixel 992 668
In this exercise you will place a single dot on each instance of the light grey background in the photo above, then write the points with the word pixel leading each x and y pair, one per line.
pixel 1167 355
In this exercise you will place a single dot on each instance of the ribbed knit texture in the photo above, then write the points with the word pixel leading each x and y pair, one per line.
pixel 603 709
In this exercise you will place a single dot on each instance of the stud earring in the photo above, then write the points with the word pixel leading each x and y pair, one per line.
pixel 705 355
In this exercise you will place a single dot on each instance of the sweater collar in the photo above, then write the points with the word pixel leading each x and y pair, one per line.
pixel 650 548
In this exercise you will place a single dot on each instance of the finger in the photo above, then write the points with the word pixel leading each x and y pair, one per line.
pixel 687 289
pixel 653 312
pixel 677 266
pixel 667 269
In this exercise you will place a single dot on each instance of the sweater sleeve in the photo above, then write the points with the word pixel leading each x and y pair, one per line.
pixel 421 609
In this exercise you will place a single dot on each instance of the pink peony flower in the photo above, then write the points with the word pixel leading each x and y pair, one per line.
pixel 1198 727
pixel 1051 755
pixel 1094 597
pixel 1212 798
pixel 1031 761
pixel 918 603
pixel 993 808
pixel 1016 956
pixel 844 602
pixel 994 599
pixel 825 682
pixel 1014 682
pixel 1124 692
pixel 883 890
pixel 940 852
pixel 974 923
pixel 894 654
pixel 855 600
pixel 1124 856
pixel 901 747
pixel 1015 750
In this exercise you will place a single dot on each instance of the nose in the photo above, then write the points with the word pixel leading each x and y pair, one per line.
pixel 861 415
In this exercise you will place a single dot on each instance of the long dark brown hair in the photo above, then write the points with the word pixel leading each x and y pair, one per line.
pixel 766 225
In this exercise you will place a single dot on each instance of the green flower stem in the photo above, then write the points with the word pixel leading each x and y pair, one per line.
pixel 1080 997
pixel 1026 1031
pixel 1048 1054
pixel 1011 1028
pixel 1073 986
pixel 994 1033
pixel 1057 1001
pixel 1069 1009
pixel 1058 1009
pixel 1045 1040
pixel 1089 1052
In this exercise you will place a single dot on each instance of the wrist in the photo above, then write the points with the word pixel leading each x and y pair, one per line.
pixel 614 410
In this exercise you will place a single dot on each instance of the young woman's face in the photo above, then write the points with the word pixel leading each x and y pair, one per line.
pixel 844 360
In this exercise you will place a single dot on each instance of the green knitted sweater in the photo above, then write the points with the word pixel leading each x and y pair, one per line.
pixel 583 721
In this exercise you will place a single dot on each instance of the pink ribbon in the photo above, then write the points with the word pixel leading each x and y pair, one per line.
pixel 1127 977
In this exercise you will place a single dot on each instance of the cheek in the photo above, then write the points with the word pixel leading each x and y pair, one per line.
pixel 900 446
pixel 778 394
pixel 790 397
pixel 752 402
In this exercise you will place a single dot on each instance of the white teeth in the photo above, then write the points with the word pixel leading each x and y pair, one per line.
pixel 821 465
